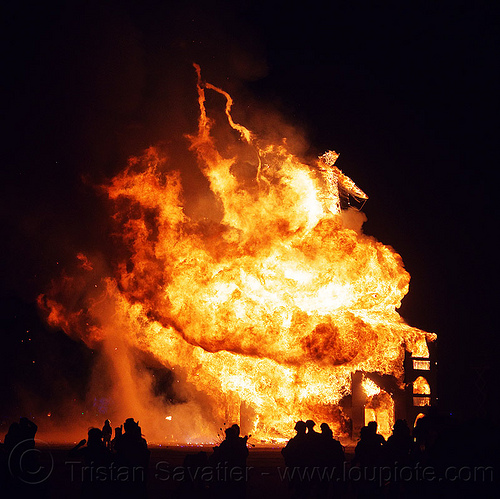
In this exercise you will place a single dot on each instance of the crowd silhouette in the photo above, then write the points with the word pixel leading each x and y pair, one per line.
pixel 308 452
pixel 437 458
pixel 316 463
pixel 118 466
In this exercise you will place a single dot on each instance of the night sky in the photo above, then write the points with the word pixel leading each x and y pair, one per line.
pixel 406 93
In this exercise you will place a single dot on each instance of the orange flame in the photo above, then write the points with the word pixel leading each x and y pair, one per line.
pixel 264 315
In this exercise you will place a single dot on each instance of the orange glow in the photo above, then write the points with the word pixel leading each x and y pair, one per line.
pixel 421 401
pixel 422 365
pixel 421 386
pixel 370 387
pixel 380 408
pixel 262 315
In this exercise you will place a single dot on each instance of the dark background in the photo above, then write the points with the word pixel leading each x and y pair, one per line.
pixel 406 93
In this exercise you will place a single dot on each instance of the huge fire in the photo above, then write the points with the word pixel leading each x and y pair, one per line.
pixel 262 316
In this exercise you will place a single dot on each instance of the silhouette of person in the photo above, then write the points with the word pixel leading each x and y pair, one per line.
pixel 372 426
pixel 399 450
pixel 13 437
pixel 368 451
pixel 18 462
pixel 331 450
pixel 132 454
pixel 312 434
pixel 118 434
pixel 28 429
pixel 368 454
pixel 231 455
pixel 131 447
pixel 107 432
pixel 294 451
pixel 94 456
pixel 330 460
pixel 233 450
pixel 399 446
pixel 313 455
pixel 296 458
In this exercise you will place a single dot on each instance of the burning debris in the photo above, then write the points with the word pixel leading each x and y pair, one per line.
pixel 264 315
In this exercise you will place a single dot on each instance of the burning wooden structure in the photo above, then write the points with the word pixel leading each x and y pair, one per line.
pixel 407 401
pixel 272 306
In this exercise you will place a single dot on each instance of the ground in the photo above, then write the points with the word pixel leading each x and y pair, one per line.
pixel 265 470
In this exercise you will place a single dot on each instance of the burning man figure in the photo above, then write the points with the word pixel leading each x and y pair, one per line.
pixel 335 181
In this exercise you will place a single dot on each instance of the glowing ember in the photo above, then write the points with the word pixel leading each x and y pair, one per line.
pixel 263 315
